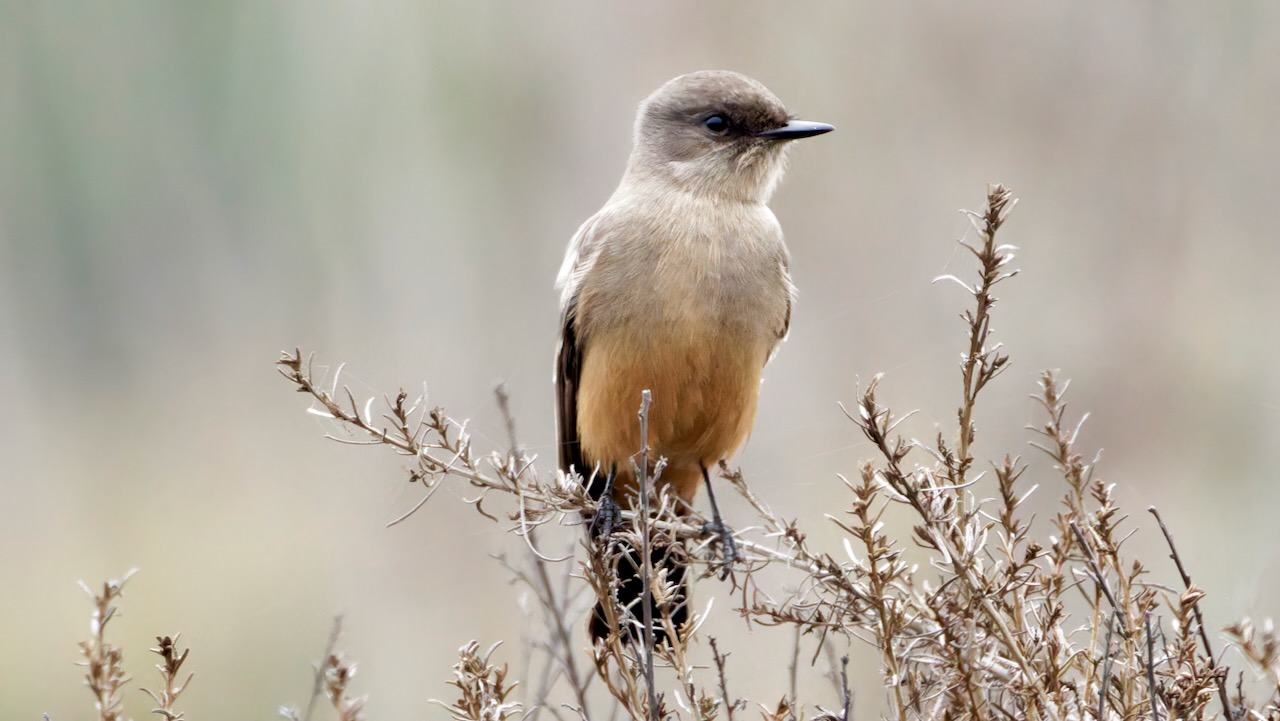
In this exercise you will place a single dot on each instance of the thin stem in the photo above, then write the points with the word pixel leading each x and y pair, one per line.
pixel 1151 671
pixel 1098 577
pixel 980 363
pixel 724 684
pixel 844 688
pixel 318 687
pixel 1204 636
pixel 1106 670
pixel 646 600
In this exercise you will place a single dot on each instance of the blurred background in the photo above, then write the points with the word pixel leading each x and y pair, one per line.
pixel 187 189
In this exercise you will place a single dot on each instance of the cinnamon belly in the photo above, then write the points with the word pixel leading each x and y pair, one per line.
pixel 704 391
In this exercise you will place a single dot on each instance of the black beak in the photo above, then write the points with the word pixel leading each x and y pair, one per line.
pixel 796 129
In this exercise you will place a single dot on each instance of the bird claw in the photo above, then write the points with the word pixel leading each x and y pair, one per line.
pixel 728 546
pixel 608 516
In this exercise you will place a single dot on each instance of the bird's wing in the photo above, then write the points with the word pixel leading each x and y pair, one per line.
pixel 784 268
pixel 568 370
pixel 578 260
pixel 791 300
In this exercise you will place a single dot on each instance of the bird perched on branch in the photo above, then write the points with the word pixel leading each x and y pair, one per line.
pixel 678 285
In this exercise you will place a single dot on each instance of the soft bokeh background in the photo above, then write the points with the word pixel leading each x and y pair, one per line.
pixel 188 188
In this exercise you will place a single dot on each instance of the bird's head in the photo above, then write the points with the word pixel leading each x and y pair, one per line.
pixel 718 133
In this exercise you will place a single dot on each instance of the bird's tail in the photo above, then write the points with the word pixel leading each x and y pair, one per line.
pixel 669 601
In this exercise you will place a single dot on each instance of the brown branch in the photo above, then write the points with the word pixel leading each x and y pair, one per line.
pixel 1204 636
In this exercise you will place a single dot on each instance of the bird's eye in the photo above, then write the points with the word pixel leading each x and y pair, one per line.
pixel 716 124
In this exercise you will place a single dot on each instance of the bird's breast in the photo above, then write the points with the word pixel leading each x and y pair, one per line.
pixel 690 273
pixel 695 326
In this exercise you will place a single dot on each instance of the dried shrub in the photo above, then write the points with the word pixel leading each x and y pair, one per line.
pixel 981 614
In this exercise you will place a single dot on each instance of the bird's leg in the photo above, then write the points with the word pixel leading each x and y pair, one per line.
pixel 608 513
pixel 717 525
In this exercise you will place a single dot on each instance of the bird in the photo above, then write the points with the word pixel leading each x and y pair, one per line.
pixel 679 285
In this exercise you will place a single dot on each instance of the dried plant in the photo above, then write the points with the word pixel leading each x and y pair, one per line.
pixel 104 661
pixel 337 672
pixel 981 614
pixel 171 660
pixel 996 622
pixel 483 688
pixel 333 673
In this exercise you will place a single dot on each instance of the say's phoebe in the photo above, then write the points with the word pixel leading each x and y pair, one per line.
pixel 678 285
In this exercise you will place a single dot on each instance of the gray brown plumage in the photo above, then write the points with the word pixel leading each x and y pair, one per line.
pixel 678 285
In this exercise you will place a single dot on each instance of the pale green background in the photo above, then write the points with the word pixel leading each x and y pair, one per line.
pixel 187 188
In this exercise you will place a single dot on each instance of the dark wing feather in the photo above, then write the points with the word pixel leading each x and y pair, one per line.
pixel 568 371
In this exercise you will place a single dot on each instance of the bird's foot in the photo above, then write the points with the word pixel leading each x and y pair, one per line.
pixel 608 516
pixel 728 546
